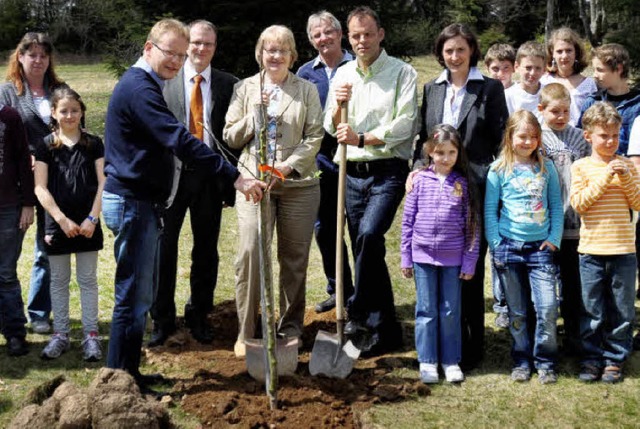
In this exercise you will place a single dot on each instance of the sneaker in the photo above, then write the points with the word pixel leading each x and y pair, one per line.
pixel 521 374
pixel 589 373
pixel 240 349
pixel 453 373
pixel 91 349
pixel 429 373
pixel 612 374
pixel 547 376
pixel 58 344
pixel 502 321
pixel 40 326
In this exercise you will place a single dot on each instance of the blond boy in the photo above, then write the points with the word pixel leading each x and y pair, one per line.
pixel 525 95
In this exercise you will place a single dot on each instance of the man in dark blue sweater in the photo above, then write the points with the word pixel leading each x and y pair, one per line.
pixel 141 137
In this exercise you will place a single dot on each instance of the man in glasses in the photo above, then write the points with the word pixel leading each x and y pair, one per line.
pixel 141 138
pixel 199 93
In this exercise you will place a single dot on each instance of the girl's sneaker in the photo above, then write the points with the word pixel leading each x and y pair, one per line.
pixel 91 349
pixel 453 373
pixel 429 373
pixel 58 344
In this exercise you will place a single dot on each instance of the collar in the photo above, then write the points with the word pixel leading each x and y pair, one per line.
pixel 377 65
pixel 474 74
pixel 346 57
pixel 190 72
pixel 144 65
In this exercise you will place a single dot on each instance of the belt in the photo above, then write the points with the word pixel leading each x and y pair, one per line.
pixel 380 166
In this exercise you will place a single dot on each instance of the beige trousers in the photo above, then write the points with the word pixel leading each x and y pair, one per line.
pixel 293 211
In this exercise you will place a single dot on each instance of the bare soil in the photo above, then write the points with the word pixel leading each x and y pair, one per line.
pixel 215 386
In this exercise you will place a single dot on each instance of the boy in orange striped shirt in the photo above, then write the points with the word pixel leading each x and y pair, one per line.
pixel 605 188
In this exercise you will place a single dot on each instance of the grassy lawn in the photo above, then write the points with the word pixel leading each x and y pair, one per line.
pixel 486 399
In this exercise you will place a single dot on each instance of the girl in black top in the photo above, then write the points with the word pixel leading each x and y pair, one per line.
pixel 69 181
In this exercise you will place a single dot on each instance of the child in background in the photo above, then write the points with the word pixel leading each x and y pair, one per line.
pixel 523 225
pixel 525 95
pixel 499 61
pixel 611 72
pixel 69 180
pixel 439 248
pixel 605 188
pixel 564 145
pixel 16 216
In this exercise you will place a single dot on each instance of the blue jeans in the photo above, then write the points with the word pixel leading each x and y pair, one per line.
pixel 39 299
pixel 137 227
pixel 12 319
pixel 438 331
pixel 372 201
pixel 608 294
pixel 325 231
pixel 529 273
pixel 499 301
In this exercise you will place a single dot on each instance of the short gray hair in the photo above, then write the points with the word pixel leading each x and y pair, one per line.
pixel 323 15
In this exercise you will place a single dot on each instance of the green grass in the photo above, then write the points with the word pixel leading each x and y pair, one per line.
pixel 486 399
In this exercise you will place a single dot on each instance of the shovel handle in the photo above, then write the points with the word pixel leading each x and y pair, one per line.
pixel 342 180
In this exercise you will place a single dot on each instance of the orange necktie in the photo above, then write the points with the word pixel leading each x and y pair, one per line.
pixel 196 117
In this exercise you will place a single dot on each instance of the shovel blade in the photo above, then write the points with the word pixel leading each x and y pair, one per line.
pixel 286 355
pixel 330 358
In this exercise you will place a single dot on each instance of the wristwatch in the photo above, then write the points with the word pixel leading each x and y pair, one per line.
pixel 93 220
pixel 360 140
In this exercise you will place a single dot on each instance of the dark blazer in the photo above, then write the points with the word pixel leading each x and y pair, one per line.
pixel 483 116
pixel 221 91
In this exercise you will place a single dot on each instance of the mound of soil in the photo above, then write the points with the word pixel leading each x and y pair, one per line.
pixel 219 391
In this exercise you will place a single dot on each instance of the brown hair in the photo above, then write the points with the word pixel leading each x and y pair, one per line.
pixel 507 157
pixel 60 94
pixel 15 72
pixel 566 34
pixel 500 52
pixel 531 49
pixel 600 114
pixel 455 30
pixel 613 55
pixel 362 11
pixel 553 92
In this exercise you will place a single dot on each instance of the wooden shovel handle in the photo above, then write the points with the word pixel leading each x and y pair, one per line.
pixel 342 180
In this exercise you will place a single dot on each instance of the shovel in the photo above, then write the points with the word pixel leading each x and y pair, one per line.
pixel 331 356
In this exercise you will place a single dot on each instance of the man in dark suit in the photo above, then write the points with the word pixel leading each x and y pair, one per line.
pixel 193 190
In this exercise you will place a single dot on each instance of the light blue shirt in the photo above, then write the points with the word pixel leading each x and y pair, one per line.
pixel 144 65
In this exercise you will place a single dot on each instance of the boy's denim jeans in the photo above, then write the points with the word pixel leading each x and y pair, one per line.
pixel 529 274
pixel 608 294
pixel 438 331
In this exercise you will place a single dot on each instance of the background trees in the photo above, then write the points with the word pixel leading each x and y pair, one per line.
pixel 117 28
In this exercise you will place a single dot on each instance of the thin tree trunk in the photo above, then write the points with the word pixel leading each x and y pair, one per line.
pixel 549 23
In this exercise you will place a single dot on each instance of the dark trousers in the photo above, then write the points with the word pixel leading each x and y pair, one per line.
pixel 374 192
pixel 472 312
pixel 568 261
pixel 325 231
pixel 197 193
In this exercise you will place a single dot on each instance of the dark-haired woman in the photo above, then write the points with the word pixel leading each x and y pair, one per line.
pixel 475 105
pixel 30 81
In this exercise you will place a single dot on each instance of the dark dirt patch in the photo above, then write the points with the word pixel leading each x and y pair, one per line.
pixel 217 388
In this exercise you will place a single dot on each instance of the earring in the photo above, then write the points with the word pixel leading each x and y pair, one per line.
pixel 553 63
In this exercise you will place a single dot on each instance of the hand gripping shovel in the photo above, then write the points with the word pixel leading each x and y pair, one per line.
pixel 331 356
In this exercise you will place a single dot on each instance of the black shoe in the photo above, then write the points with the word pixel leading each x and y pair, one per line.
pixel 201 332
pixel 326 305
pixel 354 326
pixel 149 379
pixel 17 346
pixel 159 335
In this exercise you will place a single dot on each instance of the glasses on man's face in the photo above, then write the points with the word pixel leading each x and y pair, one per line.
pixel 171 55
pixel 207 45
pixel 274 52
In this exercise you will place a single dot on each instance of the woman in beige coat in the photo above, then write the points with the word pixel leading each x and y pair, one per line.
pixel 294 133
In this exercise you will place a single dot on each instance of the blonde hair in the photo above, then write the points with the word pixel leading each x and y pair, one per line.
pixel 168 25
pixel 507 158
pixel 554 92
pixel 600 114
pixel 565 34
pixel 279 34
pixel 531 49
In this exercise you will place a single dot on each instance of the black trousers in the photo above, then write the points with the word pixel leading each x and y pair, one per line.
pixel 197 193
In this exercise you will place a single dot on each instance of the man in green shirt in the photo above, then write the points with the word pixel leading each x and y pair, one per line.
pixel 383 118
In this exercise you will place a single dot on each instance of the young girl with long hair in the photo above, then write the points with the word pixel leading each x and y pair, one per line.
pixel 69 181
pixel 523 225
pixel 440 247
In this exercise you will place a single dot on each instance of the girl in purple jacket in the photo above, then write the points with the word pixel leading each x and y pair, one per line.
pixel 440 249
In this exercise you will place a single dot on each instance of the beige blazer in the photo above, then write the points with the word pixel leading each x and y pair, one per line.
pixel 299 128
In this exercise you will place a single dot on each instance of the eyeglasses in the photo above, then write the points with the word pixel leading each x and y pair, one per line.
pixel 169 54
pixel 273 52
pixel 207 45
